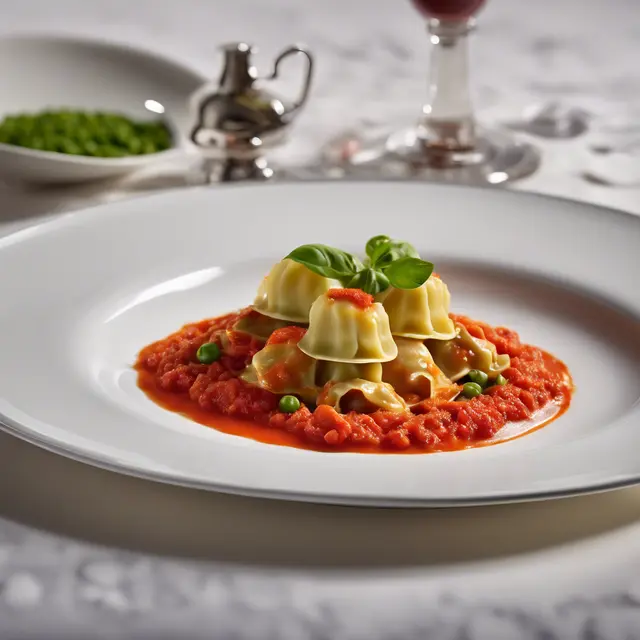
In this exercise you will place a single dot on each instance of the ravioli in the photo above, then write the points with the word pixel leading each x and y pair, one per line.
pixel 462 354
pixel 343 331
pixel 362 396
pixel 421 313
pixel 283 369
pixel 414 374
pixel 289 290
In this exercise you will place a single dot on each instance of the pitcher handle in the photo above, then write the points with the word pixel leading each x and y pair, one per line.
pixel 293 50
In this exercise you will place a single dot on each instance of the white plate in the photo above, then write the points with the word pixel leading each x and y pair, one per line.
pixel 81 295
pixel 40 72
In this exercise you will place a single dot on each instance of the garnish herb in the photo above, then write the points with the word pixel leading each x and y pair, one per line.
pixel 374 243
pixel 391 250
pixel 408 273
pixel 327 261
pixel 370 281
pixel 389 263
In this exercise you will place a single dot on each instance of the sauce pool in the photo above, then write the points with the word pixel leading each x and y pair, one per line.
pixel 538 390
pixel 260 432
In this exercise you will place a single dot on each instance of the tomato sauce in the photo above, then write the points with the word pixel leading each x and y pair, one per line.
pixel 538 390
pixel 356 297
pixel 286 335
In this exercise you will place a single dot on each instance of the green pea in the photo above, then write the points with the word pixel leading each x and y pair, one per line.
pixel 13 138
pixel 55 143
pixel 162 138
pixel 91 148
pixel 111 151
pixel 289 404
pixel 134 146
pixel 208 353
pixel 501 380
pixel 479 377
pixel 98 133
pixel 101 136
pixel 70 147
pixel 148 147
pixel 471 390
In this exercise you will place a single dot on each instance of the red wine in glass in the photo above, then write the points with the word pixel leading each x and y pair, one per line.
pixel 448 9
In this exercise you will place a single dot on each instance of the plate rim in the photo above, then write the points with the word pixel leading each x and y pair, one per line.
pixel 94 209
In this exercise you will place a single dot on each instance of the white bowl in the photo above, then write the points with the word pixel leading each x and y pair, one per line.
pixel 40 72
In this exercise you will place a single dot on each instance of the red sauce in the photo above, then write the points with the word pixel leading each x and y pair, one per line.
pixel 538 390
pixel 356 297
pixel 287 335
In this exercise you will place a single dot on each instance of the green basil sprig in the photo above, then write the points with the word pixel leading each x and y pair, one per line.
pixel 408 272
pixel 327 261
pixel 389 263
pixel 374 243
pixel 370 281
pixel 389 251
pixel 399 261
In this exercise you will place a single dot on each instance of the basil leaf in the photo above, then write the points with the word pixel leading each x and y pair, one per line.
pixel 326 261
pixel 374 243
pixel 408 272
pixel 388 252
pixel 370 281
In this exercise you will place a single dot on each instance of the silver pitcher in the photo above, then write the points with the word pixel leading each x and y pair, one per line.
pixel 239 121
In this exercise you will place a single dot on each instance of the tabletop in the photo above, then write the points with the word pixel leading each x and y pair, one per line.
pixel 85 553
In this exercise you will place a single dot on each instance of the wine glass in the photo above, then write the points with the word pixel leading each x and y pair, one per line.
pixel 446 144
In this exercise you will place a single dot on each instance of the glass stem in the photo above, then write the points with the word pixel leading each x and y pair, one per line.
pixel 448 122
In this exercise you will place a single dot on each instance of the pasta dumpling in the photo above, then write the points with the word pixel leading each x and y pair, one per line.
pixel 415 376
pixel 280 367
pixel 289 290
pixel 462 354
pixel 421 313
pixel 348 326
pixel 257 325
pixel 342 371
pixel 362 396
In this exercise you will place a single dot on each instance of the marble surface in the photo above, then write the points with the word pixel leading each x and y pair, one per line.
pixel 89 554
